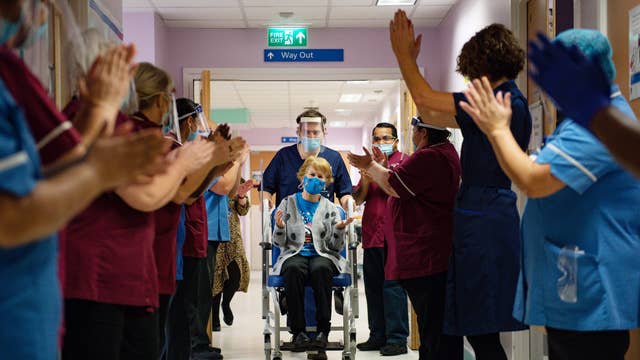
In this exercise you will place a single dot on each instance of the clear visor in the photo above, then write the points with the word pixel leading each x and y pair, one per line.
pixel 130 101
pixel 203 125
pixel 311 130
pixel 170 123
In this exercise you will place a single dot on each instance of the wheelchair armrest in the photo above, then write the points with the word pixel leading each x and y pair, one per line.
pixel 266 245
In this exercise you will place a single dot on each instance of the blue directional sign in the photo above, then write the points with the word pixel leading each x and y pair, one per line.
pixel 303 55
pixel 289 139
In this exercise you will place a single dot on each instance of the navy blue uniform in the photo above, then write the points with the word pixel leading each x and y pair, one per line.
pixel 483 272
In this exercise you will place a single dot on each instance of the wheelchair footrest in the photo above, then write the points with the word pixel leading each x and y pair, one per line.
pixel 320 355
pixel 331 345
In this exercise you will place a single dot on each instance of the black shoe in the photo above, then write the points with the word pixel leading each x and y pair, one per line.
pixel 370 345
pixel 300 342
pixel 215 327
pixel 209 354
pixel 320 342
pixel 227 314
pixel 215 349
pixel 338 300
pixel 393 349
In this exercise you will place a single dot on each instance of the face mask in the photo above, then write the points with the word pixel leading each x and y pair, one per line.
pixel 387 149
pixel 310 144
pixel 313 186
pixel 34 36
pixel 8 29
pixel 192 136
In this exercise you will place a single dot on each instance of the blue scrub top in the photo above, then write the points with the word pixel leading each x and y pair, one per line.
pixel 180 238
pixel 599 212
pixel 281 178
pixel 480 166
pixel 30 300
pixel 217 214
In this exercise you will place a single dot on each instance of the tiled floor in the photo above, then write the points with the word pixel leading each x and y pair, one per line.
pixel 244 341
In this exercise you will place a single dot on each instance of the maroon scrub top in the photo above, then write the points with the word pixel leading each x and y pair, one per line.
pixel 195 244
pixel 52 132
pixel 165 246
pixel 109 251
pixel 374 209
pixel 420 231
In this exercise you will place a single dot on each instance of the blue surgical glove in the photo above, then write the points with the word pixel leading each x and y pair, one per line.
pixel 577 85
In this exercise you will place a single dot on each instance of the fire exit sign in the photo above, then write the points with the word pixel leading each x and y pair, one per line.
pixel 287 36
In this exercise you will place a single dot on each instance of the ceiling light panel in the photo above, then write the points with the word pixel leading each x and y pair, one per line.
pixel 395 2
pixel 350 98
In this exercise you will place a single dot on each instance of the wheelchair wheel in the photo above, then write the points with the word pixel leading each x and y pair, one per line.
pixel 277 358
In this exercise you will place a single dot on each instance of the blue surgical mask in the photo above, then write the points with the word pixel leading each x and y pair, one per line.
pixel 313 186
pixel 9 28
pixel 310 144
pixel 387 149
pixel 192 136
pixel 34 36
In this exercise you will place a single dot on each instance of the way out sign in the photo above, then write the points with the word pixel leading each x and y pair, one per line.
pixel 287 36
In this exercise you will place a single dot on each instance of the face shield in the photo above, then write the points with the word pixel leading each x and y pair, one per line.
pixel 311 133
pixel 202 125
pixel 170 122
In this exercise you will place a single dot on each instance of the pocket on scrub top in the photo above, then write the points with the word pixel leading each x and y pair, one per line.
pixel 572 282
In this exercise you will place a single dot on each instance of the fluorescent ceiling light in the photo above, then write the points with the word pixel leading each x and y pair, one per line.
pixel 343 111
pixel 338 124
pixel 350 98
pixel 395 2
pixel 358 82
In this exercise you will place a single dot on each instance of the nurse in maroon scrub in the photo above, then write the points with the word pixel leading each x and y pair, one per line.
pixel 111 287
pixel 419 230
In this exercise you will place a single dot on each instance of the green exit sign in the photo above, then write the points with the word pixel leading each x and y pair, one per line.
pixel 287 36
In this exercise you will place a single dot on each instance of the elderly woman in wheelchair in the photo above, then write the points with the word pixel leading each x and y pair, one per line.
pixel 310 234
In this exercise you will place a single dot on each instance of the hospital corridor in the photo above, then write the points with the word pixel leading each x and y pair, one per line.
pixel 319 179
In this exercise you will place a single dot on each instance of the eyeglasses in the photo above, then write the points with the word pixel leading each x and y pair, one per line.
pixel 384 138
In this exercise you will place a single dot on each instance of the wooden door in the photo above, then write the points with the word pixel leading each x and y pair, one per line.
pixel 258 161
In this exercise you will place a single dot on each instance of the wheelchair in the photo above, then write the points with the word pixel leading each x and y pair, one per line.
pixel 273 288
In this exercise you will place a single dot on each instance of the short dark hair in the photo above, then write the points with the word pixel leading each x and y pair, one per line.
pixel 435 136
pixel 312 113
pixel 386 125
pixel 493 52
pixel 185 106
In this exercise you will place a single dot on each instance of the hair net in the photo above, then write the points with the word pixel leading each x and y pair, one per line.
pixel 593 44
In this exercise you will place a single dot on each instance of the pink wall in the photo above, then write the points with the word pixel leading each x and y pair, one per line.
pixel 139 29
pixel 270 137
pixel 238 48
pixel 465 19
pixel 162 44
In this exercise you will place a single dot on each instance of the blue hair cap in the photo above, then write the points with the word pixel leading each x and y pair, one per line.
pixel 593 44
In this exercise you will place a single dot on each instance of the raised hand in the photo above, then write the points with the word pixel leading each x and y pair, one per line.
pixel 360 161
pixel 125 159
pixel 342 224
pixel 245 187
pixel 221 133
pixel 279 219
pixel 380 157
pixel 577 85
pixel 107 82
pixel 491 113
pixel 402 36
pixel 195 154
pixel 229 150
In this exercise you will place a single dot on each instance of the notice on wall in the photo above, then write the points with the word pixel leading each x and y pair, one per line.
pixel 634 53
pixel 537 129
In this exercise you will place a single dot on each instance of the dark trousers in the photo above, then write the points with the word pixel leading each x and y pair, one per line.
pixel 587 345
pixel 99 331
pixel 487 347
pixel 228 290
pixel 386 301
pixel 205 297
pixel 319 271
pixel 163 300
pixel 427 295
pixel 177 344
pixel 193 269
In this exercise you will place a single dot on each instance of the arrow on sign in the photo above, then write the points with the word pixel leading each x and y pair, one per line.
pixel 300 37
pixel 270 55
